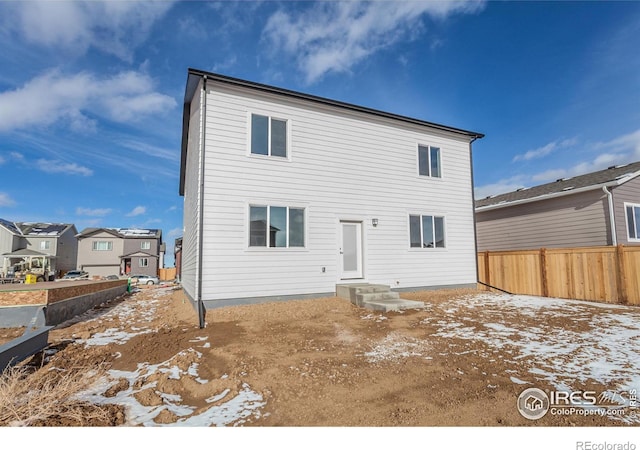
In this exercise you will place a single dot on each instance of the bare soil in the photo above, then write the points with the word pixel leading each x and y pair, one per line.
pixel 321 362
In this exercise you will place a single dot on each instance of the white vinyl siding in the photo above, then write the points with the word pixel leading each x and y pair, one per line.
pixel 190 240
pixel 347 166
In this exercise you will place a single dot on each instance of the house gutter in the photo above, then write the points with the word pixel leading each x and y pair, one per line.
pixel 612 219
pixel 201 308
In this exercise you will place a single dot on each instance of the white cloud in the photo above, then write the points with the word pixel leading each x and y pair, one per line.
pixel 54 97
pixel 6 200
pixel 174 233
pixel 335 36
pixel 545 149
pixel 52 166
pixel 137 211
pixel 169 154
pixel 620 150
pixel 17 156
pixel 2 160
pixel 99 212
pixel 115 27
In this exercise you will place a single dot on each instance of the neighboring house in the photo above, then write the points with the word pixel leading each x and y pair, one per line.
pixel 55 239
pixel 599 208
pixel 51 246
pixel 348 194
pixel 11 238
pixel 120 251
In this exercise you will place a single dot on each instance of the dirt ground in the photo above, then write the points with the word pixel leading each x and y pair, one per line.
pixel 321 362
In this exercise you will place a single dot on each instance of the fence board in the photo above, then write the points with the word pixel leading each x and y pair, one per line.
pixel 606 274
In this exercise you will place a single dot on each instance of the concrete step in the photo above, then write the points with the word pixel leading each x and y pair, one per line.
pixel 372 288
pixel 376 297
pixel 361 299
pixel 393 305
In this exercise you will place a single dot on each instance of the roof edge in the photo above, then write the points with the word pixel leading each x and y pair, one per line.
pixel 322 100
pixel 592 187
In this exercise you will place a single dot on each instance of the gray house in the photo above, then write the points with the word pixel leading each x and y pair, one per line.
pixel 599 208
pixel 52 247
pixel 120 251
pixel 55 239
pixel 10 237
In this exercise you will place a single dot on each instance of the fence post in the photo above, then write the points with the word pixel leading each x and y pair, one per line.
pixel 621 278
pixel 543 272
pixel 487 277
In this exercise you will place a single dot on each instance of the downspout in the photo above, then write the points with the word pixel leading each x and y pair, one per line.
pixel 201 308
pixel 612 219
pixel 473 208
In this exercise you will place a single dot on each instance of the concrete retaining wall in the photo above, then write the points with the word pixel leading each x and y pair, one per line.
pixel 18 306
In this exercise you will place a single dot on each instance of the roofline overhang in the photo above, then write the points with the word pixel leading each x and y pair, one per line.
pixel 195 75
pixel 539 198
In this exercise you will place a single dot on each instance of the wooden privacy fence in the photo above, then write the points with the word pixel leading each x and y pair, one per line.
pixel 167 274
pixel 607 274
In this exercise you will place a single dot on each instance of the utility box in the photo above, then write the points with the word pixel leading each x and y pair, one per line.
pixel 30 279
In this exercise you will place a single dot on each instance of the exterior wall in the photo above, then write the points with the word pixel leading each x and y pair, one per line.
pixel 189 268
pixel 67 250
pixel 629 193
pixel 8 241
pixel 100 263
pixel 343 165
pixel 578 220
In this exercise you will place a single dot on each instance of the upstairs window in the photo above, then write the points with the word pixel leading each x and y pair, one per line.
pixel 145 245
pixel 285 225
pixel 633 222
pixel 102 245
pixel 426 232
pixel 45 245
pixel 268 136
pixel 429 161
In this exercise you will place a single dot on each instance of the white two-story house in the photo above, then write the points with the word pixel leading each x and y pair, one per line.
pixel 288 194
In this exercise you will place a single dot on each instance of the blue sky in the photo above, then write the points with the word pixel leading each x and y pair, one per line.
pixel 91 93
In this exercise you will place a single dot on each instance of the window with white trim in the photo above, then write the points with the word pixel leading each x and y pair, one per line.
pixel 102 245
pixel 285 225
pixel 633 221
pixel 429 161
pixel 45 245
pixel 143 262
pixel 145 245
pixel 268 136
pixel 426 231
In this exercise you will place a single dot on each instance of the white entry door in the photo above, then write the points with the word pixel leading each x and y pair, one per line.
pixel 351 250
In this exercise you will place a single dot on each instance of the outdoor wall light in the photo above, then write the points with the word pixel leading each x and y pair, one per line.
pixel 374 222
